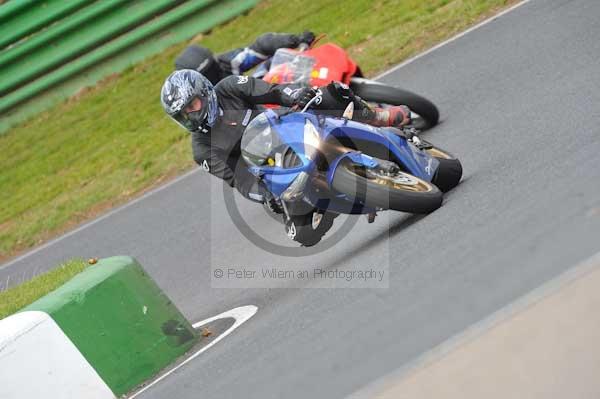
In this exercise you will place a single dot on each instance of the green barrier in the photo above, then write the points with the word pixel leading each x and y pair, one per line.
pixel 35 17
pixel 182 30
pixel 81 41
pixel 210 17
pixel 13 8
pixel 121 322
pixel 54 32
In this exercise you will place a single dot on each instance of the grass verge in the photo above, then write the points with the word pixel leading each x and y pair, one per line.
pixel 112 142
pixel 18 297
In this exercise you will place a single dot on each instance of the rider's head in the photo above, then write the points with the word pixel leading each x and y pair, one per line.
pixel 189 98
pixel 200 59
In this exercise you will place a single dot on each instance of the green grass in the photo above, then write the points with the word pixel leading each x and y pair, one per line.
pixel 111 142
pixel 18 297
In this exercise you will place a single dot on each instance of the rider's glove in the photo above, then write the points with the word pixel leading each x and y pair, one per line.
pixel 301 97
pixel 306 37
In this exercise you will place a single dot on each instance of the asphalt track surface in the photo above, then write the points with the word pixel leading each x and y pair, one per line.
pixel 520 101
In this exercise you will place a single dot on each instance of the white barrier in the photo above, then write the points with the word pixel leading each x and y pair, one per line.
pixel 37 360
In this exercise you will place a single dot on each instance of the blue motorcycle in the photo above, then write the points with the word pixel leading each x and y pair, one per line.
pixel 317 167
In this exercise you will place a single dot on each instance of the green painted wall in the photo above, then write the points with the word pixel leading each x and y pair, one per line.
pixel 121 321
pixel 92 42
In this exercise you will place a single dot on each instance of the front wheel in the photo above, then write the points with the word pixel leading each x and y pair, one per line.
pixel 376 92
pixel 309 229
pixel 376 188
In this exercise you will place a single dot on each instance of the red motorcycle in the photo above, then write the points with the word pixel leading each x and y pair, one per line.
pixel 321 65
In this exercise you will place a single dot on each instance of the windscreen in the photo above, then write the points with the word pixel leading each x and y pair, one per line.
pixel 257 141
pixel 290 66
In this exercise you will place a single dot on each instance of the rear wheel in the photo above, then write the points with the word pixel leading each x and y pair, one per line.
pixel 384 94
pixel 309 229
pixel 449 172
pixel 376 188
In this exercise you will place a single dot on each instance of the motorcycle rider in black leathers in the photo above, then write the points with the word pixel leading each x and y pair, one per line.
pixel 217 116
pixel 240 60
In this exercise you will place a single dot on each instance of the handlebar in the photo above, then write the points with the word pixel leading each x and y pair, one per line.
pixel 312 100
pixel 295 108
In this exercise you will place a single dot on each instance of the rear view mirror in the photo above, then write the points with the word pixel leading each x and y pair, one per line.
pixel 349 112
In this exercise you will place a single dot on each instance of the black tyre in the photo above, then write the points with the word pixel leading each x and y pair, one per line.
pixel 384 94
pixel 399 191
pixel 309 229
pixel 449 172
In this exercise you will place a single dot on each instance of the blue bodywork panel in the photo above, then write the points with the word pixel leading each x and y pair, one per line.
pixel 290 130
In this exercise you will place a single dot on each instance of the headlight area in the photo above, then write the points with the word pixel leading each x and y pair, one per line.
pixel 258 141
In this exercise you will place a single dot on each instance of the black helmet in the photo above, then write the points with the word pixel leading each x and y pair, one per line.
pixel 179 91
pixel 202 60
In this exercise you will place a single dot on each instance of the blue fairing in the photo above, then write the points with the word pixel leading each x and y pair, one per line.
pixel 290 130
pixel 417 162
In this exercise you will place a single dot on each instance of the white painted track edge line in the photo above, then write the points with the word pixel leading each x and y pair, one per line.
pixel 580 270
pixel 240 315
pixel 176 180
pixel 450 40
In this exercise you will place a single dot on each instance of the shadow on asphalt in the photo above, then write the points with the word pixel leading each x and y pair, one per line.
pixel 394 229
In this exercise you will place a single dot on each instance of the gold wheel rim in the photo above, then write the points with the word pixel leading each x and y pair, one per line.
pixel 437 153
pixel 399 181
